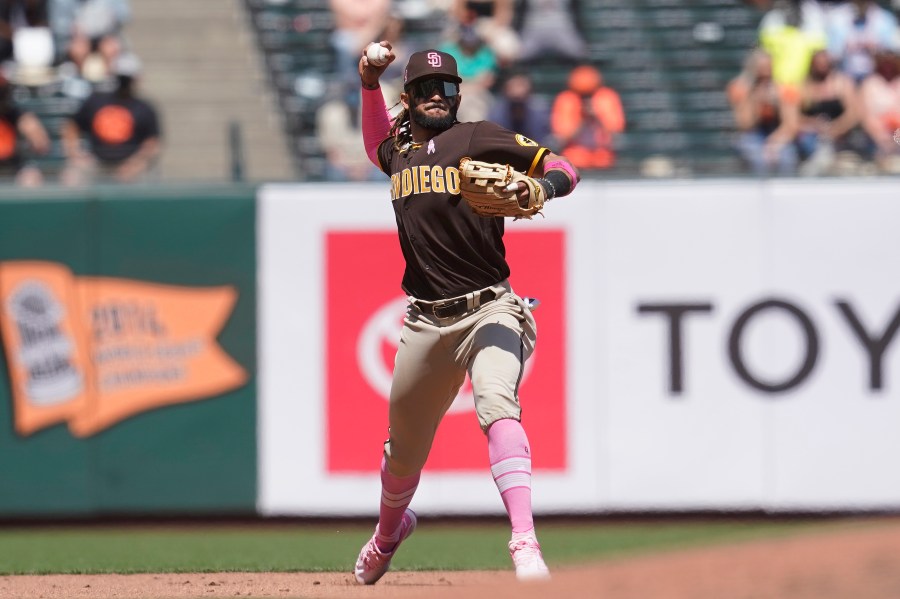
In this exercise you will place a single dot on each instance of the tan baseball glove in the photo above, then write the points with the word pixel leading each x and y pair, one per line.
pixel 490 191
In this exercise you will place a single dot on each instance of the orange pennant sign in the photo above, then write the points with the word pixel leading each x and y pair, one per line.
pixel 93 351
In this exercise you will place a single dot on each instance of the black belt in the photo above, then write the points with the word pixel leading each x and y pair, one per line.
pixel 457 306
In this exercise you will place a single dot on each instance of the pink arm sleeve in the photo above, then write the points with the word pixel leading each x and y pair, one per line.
pixel 376 122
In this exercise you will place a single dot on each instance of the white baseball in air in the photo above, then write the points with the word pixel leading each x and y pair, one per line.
pixel 377 54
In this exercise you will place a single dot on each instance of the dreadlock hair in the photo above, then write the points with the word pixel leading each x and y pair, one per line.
pixel 401 131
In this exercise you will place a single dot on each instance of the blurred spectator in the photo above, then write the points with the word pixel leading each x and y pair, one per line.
pixel 122 130
pixel 519 110
pixel 807 15
pixel 478 67
pixel 493 21
pixel 14 121
pixel 6 31
pixel 829 113
pixel 586 118
pixel 419 10
pixel 392 79
pixel 357 23
pixel 340 135
pixel 791 32
pixel 548 30
pixel 880 93
pixel 90 33
pixel 16 14
pixel 856 30
pixel 766 118
pixel 26 41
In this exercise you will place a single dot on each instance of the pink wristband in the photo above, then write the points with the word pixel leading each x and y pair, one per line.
pixel 565 166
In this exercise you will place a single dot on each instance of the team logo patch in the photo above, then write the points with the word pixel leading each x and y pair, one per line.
pixel 524 141
pixel 434 59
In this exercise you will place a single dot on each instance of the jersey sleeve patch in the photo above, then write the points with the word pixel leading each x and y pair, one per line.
pixel 524 141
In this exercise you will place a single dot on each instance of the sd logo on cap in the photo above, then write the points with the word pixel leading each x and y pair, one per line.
pixel 430 63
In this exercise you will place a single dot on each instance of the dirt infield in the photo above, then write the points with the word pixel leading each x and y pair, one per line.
pixel 860 561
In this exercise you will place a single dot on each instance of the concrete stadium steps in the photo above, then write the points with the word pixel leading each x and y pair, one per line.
pixel 170 10
pixel 203 71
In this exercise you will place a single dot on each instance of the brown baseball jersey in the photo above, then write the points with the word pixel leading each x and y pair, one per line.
pixel 450 250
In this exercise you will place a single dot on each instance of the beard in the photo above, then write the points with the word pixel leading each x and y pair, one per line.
pixel 439 123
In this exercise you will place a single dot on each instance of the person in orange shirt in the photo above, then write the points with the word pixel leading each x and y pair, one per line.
pixel 586 118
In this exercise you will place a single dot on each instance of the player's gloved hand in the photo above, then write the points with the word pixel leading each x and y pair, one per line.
pixel 493 189
pixel 523 193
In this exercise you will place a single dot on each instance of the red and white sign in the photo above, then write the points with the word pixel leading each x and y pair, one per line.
pixel 364 309
pixel 701 345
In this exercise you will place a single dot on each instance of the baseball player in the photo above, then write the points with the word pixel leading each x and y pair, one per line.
pixel 462 313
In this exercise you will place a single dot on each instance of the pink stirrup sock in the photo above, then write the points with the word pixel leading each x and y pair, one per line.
pixel 396 494
pixel 510 459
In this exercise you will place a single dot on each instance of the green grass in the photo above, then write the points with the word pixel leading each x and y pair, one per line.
pixel 294 547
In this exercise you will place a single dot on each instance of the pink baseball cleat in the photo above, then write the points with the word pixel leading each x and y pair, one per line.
pixel 526 555
pixel 372 563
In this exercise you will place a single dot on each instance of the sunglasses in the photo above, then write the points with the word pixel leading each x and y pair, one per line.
pixel 428 87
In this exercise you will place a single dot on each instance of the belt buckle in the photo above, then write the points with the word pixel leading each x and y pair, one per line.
pixel 450 308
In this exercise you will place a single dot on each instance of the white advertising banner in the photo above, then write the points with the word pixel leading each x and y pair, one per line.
pixel 701 345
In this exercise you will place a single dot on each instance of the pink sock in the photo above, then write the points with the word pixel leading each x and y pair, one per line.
pixel 510 459
pixel 396 494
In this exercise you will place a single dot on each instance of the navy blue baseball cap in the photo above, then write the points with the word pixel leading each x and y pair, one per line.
pixel 430 63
